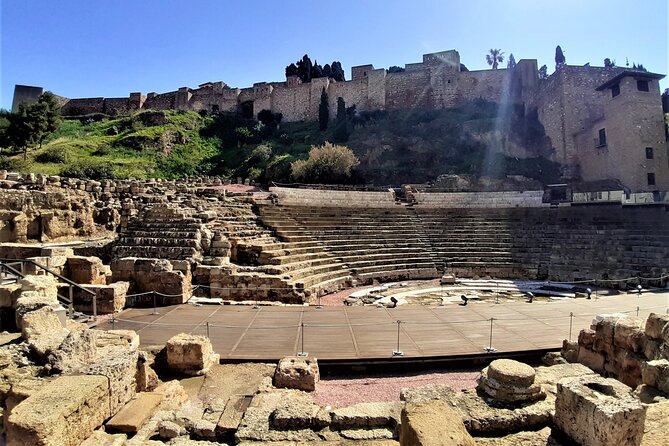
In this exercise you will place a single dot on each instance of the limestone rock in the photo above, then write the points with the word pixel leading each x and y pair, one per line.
pixel 86 270
pixel 570 351
pixel 656 429
pixel 135 413
pixel 45 286
pixel 190 354
pixel 655 325
pixel 255 426
pixel 295 414
pixel 629 334
pixel 541 437
pixel 598 411
pixel 146 378
pixel 433 423
pixel 656 374
pixel 101 438
pixel 367 416
pixel 174 395
pixel 43 330
pixel 9 293
pixel 169 429
pixel 63 413
pixel 509 381
pixel 592 359
pixel 296 372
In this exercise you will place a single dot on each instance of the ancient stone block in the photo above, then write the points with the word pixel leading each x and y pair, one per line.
pixel 604 325
pixel 146 378
pixel 598 411
pixel 366 416
pixel 63 413
pixel 655 324
pixel 586 338
pixel 135 413
pixel 109 298
pixel 570 350
pixel 9 293
pixel 656 374
pixel 169 429
pixel 45 286
pixel 190 354
pixel 433 423
pixel 295 372
pixel 591 359
pixel 43 330
pixel 629 334
pixel 86 270
pixel 509 381
pixel 174 395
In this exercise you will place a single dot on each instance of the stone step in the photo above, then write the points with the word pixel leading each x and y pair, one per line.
pixel 155 241
pixel 399 274
pixel 304 273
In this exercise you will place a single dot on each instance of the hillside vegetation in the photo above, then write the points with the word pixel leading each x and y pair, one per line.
pixel 393 147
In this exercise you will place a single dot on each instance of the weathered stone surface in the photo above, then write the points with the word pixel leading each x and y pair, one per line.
pixel 598 411
pixel 255 425
pixel 201 429
pixel 655 325
pixel 570 350
pixel 30 301
pixel 169 429
pixel 479 416
pixel 541 437
pixel 509 381
pixel 604 325
pixel 553 358
pixel 146 378
pixel 108 298
pixel 231 417
pixel 656 428
pixel 548 377
pixel 433 423
pixel 46 286
pixel 174 395
pixel 86 270
pixel 296 414
pixel 586 337
pixel 9 293
pixel 77 350
pixel 656 374
pixel 295 372
pixel 101 438
pixel 629 334
pixel 43 330
pixel 135 413
pixel 190 354
pixel 63 413
pixel 367 416
pixel 378 433
pixel 591 359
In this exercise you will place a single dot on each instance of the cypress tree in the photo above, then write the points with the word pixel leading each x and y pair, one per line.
pixel 323 111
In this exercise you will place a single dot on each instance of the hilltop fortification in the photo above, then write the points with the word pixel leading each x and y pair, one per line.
pixel 603 122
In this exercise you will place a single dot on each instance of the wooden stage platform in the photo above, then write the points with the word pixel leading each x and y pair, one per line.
pixel 364 333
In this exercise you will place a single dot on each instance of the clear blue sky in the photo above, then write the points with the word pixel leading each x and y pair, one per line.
pixel 90 48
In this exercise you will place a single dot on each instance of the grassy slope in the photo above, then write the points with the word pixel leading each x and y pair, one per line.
pixel 394 147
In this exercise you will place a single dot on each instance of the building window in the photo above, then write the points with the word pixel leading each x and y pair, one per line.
pixel 642 85
pixel 649 153
pixel 615 90
pixel 651 178
pixel 602 138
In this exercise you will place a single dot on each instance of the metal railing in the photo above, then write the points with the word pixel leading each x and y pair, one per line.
pixel 7 268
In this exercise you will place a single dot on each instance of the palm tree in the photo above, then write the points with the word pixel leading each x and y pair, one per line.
pixel 494 57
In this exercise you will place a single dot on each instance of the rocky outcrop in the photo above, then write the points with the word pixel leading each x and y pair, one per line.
pixel 297 372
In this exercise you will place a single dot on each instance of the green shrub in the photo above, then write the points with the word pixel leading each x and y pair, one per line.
pixel 14 164
pixel 327 164
pixel 58 155
pixel 90 171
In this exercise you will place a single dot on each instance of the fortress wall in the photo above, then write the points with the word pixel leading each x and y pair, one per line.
pixel 116 106
pixel 25 94
pixel 376 89
pixel 444 86
pixel 353 92
pixel 508 199
pixel 488 84
pixel 165 101
pixel 84 106
pixel 288 101
pixel 409 89
pixel 333 198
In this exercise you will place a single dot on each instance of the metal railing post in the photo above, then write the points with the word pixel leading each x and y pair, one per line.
pixel 571 323
pixel 490 348
pixel 302 352
pixel 155 311
pixel 70 305
pixel 398 352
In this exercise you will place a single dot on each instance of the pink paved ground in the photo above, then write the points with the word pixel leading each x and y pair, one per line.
pixel 344 391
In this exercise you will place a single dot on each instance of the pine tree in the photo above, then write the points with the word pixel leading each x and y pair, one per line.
pixel 512 62
pixel 559 58
pixel 341 124
pixel 323 111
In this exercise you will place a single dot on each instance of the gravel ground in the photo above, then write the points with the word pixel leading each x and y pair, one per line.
pixel 337 299
pixel 345 391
